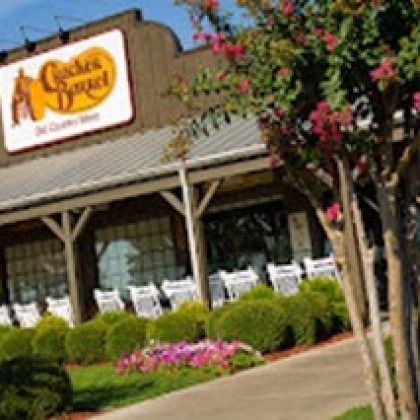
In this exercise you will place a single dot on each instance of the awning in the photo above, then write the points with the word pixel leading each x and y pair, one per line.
pixel 123 161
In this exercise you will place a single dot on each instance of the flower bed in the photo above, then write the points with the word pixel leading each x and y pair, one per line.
pixel 226 356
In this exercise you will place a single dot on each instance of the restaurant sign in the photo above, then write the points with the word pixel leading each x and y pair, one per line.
pixel 66 92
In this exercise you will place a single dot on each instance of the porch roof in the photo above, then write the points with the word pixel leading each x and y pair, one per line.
pixel 114 163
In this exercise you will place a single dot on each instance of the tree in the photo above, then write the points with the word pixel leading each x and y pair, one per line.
pixel 329 82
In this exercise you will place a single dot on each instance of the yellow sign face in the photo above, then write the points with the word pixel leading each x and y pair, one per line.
pixel 66 88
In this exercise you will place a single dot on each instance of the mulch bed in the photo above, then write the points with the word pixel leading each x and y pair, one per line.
pixel 282 354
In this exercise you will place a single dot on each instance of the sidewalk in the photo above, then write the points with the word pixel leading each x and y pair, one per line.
pixel 315 385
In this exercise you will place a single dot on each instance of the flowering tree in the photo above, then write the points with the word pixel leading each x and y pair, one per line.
pixel 329 82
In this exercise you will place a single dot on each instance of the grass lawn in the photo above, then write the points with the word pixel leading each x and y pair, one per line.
pixel 359 413
pixel 98 387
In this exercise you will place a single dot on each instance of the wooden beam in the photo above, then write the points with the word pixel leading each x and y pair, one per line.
pixel 54 227
pixel 207 197
pixel 81 223
pixel 71 268
pixel 174 201
pixel 189 220
pixel 133 190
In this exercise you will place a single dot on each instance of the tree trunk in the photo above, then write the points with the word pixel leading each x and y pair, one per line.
pixel 367 254
pixel 354 271
pixel 397 291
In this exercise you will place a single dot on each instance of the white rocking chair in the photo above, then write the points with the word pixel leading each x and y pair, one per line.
pixel 146 301
pixel 321 267
pixel 108 301
pixel 239 282
pixel 5 318
pixel 217 290
pixel 179 291
pixel 27 315
pixel 285 278
pixel 62 308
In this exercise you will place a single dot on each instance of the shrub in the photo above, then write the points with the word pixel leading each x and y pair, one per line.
pixel 48 342
pixel 112 317
pixel 310 317
pixel 211 330
pixel 16 342
pixel 125 336
pixel 49 321
pixel 261 324
pixel 261 291
pixel 331 289
pixel 198 314
pixel 173 327
pixel 4 329
pixel 32 388
pixel 85 344
pixel 244 360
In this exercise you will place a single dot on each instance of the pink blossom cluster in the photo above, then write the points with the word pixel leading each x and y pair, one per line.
pixel 220 44
pixel 385 71
pixel 333 212
pixel 210 5
pixel 327 124
pixel 287 8
pixel 331 41
pixel 161 356
pixel 416 101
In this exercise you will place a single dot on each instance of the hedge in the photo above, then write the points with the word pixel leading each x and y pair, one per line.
pixel 310 317
pixel 260 323
pixel 197 313
pixel 126 336
pixel 173 327
pixel 331 289
pixel 85 344
pixel 49 343
pixel 33 388
pixel 15 343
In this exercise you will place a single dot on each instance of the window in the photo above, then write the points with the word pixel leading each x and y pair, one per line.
pixel 36 270
pixel 135 254
pixel 252 236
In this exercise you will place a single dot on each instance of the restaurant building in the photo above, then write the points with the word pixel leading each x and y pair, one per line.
pixel 85 199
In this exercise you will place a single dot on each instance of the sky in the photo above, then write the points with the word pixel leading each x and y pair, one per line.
pixel 38 16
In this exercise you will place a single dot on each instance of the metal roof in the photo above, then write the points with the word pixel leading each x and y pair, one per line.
pixel 118 162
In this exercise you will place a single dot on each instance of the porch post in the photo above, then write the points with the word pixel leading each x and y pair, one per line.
pixel 68 235
pixel 188 198
pixel 69 250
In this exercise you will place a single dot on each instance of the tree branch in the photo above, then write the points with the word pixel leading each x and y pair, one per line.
pixel 405 161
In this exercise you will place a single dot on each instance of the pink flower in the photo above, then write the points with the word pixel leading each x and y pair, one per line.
pixel 197 36
pixel 327 124
pixel 287 8
pixel 236 50
pixel 323 124
pixel 283 72
pixel 244 86
pixel 385 71
pixel 300 38
pixel 318 32
pixel 278 113
pixel 416 101
pixel 333 212
pixel 210 5
pixel 330 40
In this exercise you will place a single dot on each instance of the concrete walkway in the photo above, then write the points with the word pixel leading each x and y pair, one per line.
pixel 315 385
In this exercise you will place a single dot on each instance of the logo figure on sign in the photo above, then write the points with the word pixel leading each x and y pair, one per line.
pixel 22 103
